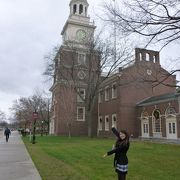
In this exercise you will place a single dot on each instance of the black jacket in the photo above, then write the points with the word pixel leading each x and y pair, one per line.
pixel 120 154
pixel 7 132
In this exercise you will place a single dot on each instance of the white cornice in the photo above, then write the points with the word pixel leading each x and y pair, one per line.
pixel 88 25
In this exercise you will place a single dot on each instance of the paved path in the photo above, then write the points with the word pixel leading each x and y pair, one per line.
pixel 15 162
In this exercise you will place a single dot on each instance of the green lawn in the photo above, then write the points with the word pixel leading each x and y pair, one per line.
pixel 80 158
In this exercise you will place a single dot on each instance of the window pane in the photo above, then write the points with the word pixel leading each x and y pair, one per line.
pixel 100 123
pixel 107 124
pixel 106 93
pixel 114 91
pixel 80 114
pixel 174 128
pixel 81 95
pixel 157 126
pixel 82 59
pixel 147 129
pixel 170 131
pixel 114 120
pixel 144 128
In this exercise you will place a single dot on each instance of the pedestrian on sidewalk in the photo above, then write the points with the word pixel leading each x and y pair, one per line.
pixel 7 132
pixel 120 150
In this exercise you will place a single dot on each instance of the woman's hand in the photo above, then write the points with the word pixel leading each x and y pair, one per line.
pixel 104 155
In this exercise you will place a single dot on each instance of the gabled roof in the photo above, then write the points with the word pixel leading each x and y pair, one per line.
pixel 158 99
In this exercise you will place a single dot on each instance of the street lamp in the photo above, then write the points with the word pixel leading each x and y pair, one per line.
pixel 35 116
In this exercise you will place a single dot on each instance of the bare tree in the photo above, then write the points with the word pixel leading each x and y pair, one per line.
pixel 157 20
pixel 2 116
pixel 50 59
pixel 25 106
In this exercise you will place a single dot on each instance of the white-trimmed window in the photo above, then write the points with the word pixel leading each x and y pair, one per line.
pixel 114 120
pixel 107 123
pixel 81 58
pixel 114 90
pixel 100 96
pixel 106 93
pixel 145 128
pixel 100 123
pixel 81 95
pixel 80 113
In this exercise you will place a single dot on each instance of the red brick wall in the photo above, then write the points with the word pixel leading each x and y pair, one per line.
pixel 134 86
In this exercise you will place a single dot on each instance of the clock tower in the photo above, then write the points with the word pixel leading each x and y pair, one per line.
pixel 75 72
pixel 78 29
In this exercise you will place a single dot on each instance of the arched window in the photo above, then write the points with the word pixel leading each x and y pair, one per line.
pixel 80 9
pixel 74 9
pixel 156 121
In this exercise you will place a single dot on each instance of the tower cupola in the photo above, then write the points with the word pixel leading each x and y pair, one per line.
pixel 78 29
pixel 78 7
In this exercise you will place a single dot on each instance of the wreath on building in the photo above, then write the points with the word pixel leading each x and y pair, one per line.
pixel 156 114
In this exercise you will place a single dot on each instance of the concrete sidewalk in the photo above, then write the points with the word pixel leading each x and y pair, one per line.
pixel 15 162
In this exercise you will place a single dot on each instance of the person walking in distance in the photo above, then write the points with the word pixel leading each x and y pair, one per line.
pixel 120 150
pixel 7 132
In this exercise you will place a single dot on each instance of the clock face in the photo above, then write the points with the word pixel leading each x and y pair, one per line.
pixel 81 74
pixel 149 72
pixel 81 34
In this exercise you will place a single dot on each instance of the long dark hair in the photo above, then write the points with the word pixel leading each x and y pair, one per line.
pixel 125 141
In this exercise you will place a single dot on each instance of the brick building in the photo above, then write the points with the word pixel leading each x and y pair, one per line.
pixel 131 98
pixel 159 116
pixel 136 98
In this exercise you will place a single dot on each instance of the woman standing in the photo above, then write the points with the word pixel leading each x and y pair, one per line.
pixel 120 158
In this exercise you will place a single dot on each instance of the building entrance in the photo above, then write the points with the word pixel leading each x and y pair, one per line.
pixel 171 128
pixel 145 128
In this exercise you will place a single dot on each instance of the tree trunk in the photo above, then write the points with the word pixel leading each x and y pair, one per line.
pixel 89 122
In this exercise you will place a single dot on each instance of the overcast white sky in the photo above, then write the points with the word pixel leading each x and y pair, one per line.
pixel 29 29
